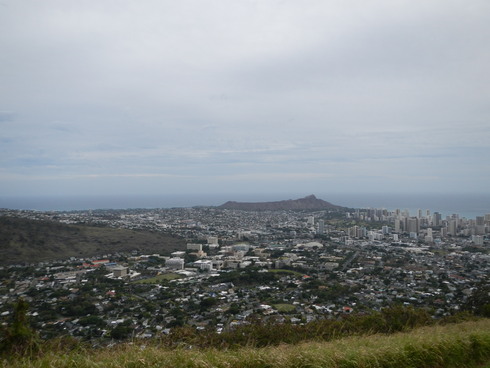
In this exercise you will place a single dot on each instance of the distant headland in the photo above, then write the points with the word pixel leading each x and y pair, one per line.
pixel 307 203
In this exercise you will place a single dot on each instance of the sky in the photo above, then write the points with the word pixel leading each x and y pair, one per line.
pixel 126 97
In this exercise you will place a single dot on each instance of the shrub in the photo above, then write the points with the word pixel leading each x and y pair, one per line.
pixel 19 338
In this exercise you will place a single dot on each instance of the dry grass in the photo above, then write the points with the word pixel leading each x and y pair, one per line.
pixel 458 345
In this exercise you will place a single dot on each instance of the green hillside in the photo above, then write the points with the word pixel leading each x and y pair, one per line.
pixel 464 344
pixel 25 240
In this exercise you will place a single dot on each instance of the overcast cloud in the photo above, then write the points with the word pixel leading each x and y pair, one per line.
pixel 150 97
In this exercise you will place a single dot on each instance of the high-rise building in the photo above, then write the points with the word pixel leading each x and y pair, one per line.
pixel 480 229
pixel 321 227
pixel 352 231
pixel 480 225
pixel 436 219
pixel 443 232
pixel 361 232
pixel 429 237
pixel 413 225
pixel 477 239
pixel 398 225
pixel 357 232
pixel 452 227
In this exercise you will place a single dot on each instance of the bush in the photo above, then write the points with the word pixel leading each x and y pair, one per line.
pixel 19 338
pixel 258 334
pixel 92 321
pixel 121 332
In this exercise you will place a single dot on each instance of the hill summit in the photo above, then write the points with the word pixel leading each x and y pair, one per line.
pixel 307 203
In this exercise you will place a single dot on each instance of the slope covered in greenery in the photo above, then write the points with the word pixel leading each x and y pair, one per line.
pixel 465 344
pixel 25 240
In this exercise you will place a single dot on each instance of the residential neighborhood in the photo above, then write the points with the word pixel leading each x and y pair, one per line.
pixel 239 267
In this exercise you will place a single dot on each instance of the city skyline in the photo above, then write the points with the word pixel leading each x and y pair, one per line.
pixel 466 206
pixel 125 98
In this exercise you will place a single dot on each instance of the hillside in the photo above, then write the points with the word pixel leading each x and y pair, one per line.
pixel 25 240
pixel 307 203
pixel 464 344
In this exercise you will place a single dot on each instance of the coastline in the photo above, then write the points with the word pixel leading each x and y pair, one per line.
pixel 465 205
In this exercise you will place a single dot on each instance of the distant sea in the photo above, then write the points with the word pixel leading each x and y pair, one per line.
pixel 466 205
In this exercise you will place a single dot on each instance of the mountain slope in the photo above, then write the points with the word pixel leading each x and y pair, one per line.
pixel 25 240
pixel 307 203
pixel 464 344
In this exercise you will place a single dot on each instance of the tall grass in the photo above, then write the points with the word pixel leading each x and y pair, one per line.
pixel 456 345
pixel 389 320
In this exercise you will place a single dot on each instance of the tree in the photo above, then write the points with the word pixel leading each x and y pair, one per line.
pixel 207 303
pixel 479 301
pixel 121 332
pixel 234 309
pixel 92 321
pixel 19 338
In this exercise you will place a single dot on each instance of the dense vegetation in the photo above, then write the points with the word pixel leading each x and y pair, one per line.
pixel 460 340
pixel 465 344
pixel 24 240
pixel 259 335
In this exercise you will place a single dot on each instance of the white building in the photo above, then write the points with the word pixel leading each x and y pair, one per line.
pixel 120 271
pixel 175 263
pixel 194 246
pixel 204 265
pixel 477 239
pixel 213 240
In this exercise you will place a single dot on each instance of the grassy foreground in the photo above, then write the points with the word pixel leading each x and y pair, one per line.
pixel 464 344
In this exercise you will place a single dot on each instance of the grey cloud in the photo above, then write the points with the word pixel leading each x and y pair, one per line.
pixel 6 116
pixel 130 89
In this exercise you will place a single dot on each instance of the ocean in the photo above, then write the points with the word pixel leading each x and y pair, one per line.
pixel 466 205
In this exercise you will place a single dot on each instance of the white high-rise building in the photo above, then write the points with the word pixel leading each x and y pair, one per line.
pixel 477 239
pixel 429 238
pixel 413 225
pixel 398 226
pixel 452 227
pixel 321 227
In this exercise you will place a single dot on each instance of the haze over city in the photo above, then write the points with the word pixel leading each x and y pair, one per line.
pixel 124 97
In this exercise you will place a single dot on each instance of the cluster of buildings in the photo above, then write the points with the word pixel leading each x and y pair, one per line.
pixel 240 266
pixel 426 225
